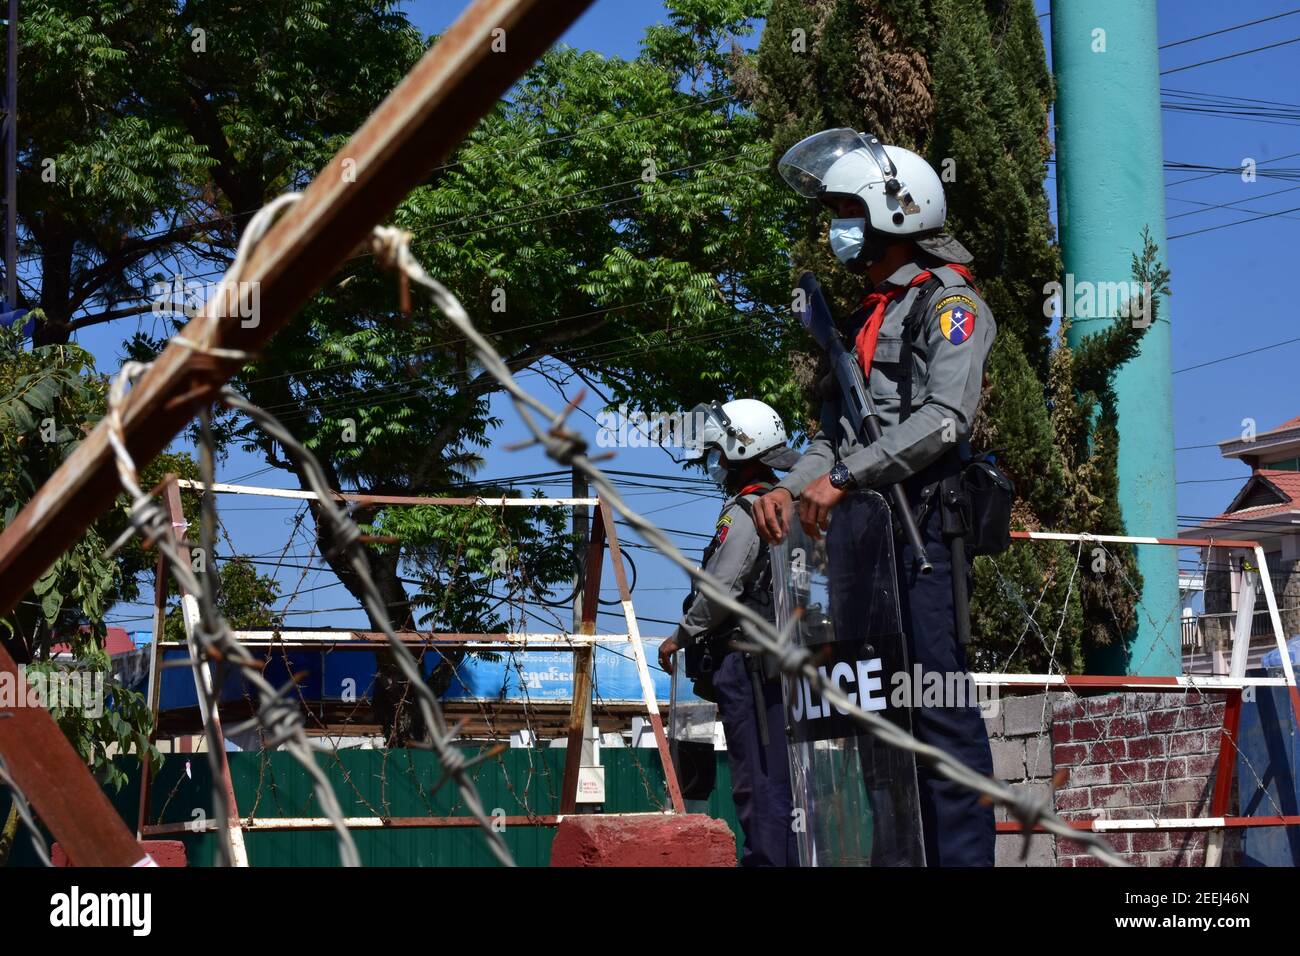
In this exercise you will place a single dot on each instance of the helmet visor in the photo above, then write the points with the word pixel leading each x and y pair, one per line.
pixel 805 164
pixel 708 428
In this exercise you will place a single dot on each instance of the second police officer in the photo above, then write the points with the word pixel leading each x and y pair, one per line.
pixel 741 443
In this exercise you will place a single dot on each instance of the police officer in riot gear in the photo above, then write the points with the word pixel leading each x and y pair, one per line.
pixel 922 338
pixel 741 443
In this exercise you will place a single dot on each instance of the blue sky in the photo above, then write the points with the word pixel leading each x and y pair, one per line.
pixel 1230 292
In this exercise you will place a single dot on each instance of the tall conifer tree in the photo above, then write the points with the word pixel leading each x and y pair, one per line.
pixel 966 84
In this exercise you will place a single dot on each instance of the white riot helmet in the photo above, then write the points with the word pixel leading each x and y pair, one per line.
pixel 741 430
pixel 900 194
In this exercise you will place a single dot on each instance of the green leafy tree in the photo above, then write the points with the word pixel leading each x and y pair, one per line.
pixel 50 396
pixel 617 217
pixel 152 131
pixel 245 599
pixel 104 181
pixel 155 130
pixel 611 215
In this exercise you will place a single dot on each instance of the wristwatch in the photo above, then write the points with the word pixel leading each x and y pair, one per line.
pixel 841 477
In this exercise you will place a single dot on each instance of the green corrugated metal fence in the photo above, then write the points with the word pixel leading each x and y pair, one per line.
pixel 391 783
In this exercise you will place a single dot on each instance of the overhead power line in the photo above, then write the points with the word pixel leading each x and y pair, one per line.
pixel 1222 170
pixel 1267 116
pixel 1286 173
pixel 559 353
pixel 1225 97
pixel 1238 26
pixel 1208 169
pixel 1238 222
pixel 1210 207
pixel 1266 522
pixel 1236 355
pixel 582 192
pixel 1230 56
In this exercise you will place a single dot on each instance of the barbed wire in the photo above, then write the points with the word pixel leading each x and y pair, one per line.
pixel 550 431
pixel 211 637
pixel 1098 744
pixel 348 536
pixel 24 812
pixel 568 448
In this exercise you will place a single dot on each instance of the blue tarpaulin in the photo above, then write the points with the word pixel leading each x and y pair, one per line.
pixel 548 675
pixel 10 317
pixel 347 675
pixel 1274 657
pixel 1267 751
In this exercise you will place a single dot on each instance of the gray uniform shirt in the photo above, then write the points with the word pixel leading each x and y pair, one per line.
pixel 732 563
pixel 948 359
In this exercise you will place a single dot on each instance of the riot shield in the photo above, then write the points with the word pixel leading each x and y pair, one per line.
pixel 858 797
pixel 692 723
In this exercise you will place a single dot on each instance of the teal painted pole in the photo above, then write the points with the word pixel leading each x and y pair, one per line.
pixel 1109 185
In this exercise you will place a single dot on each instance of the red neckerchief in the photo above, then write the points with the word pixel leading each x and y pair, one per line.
pixel 749 489
pixel 875 304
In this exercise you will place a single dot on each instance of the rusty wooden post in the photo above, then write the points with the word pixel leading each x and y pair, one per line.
pixel 582 701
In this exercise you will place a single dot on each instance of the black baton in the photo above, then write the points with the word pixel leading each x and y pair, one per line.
pixel 960 588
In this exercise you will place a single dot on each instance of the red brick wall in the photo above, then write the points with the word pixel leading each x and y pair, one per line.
pixel 1134 756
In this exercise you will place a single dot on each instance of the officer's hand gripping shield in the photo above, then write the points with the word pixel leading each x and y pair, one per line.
pixel 856 800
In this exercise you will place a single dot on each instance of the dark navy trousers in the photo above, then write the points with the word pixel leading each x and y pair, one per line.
pixel 958 831
pixel 760 776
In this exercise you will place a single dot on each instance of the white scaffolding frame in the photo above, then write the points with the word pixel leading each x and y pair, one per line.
pixel 1232 685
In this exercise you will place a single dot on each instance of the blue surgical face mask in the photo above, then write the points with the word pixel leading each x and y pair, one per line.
pixel 713 464
pixel 846 238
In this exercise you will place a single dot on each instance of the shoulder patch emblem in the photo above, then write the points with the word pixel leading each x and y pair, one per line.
pixel 724 523
pixel 957 318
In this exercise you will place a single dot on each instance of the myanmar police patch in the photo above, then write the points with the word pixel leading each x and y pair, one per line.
pixel 723 525
pixel 957 318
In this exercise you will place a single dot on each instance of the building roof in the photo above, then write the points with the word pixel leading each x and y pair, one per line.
pixel 1285 426
pixel 1278 441
pixel 116 642
pixel 1266 492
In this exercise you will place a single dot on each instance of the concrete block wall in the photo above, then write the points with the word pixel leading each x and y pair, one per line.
pixel 1020 738
pixel 1117 756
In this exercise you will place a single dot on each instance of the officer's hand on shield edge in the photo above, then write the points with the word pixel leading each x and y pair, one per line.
pixel 815 505
pixel 770 513
pixel 666 651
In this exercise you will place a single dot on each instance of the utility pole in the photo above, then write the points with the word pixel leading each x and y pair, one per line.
pixel 11 161
pixel 590 755
pixel 1109 186
pixel 581 536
